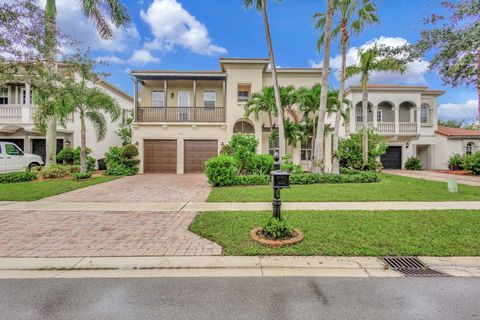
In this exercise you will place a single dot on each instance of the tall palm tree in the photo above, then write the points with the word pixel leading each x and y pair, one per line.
pixel 308 100
pixel 261 5
pixel 319 153
pixel 371 60
pixel 92 9
pixel 351 17
pixel 262 102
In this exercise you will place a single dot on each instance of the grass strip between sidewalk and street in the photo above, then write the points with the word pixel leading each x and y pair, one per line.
pixel 36 190
pixel 391 188
pixel 351 233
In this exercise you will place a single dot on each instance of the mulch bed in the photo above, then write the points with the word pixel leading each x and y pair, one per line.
pixel 259 237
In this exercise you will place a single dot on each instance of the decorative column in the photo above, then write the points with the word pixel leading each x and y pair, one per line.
pixel 375 120
pixel 397 120
pixel 194 100
pixel 135 100
pixel 418 111
pixel 165 99
pixel 224 110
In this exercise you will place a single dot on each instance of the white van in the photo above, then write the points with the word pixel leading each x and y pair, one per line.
pixel 12 158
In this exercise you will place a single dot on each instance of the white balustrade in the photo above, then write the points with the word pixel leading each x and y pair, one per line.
pixel 16 113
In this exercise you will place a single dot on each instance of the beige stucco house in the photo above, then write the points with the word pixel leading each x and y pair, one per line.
pixel 183 118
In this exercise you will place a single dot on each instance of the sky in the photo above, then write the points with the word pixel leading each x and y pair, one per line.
pixel 193 34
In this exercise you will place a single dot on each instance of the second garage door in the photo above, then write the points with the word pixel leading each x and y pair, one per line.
pixel 197 152
pixel 160 156
pixel 392 159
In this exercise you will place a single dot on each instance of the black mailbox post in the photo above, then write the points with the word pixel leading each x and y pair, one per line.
pixel 280 180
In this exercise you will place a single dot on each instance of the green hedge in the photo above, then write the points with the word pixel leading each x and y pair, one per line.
pixel 13 177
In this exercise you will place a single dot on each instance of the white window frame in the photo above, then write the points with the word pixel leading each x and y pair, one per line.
pixel 358 115
pixel 424 110
pixel 469 148
pixel 244 98
pixel 4 94
pixel 158 102
pixel 380 113
pixel 273 147
pixel 307 150
pixel 212 99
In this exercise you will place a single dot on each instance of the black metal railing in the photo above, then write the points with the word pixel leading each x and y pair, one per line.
pixel 180 114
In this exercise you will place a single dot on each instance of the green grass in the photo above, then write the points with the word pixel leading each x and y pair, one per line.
pixel 391 188
pixel 35 190
pixel 351 233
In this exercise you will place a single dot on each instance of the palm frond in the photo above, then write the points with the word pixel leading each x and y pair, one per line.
pixel 99 123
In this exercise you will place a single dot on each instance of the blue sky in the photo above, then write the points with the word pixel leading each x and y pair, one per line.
pixel 193 34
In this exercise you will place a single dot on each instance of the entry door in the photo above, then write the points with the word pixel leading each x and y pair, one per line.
pixel 183 105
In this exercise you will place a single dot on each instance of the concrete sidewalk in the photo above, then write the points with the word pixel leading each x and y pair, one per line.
pixel 255 266
pixel 436 176
pixel 231 206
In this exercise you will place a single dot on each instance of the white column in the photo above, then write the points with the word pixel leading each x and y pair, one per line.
pixel 27 93
pixel 375 121
pixel 397 120
pixel 135 101
pixel 165 88
pixel 194 100
pixel 419 122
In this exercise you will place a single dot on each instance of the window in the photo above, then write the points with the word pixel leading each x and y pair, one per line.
pixel 3 95
pixel 209 99
pixel 379 116
pixel 469 148
pixel 243 127
pixel 273 146
pixel 12 150
pixel 158 98
pixel 306 149
pixel 359 115
pixel 244 92
pixel 424 114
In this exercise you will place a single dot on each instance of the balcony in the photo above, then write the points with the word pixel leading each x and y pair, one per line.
pixel 180 114
pixel 17 113
pixel 388 128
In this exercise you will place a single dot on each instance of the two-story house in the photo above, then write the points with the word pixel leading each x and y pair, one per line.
pixel 17 125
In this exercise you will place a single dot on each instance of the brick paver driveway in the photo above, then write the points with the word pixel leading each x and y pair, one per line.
pixel 90 234
pixel 143 188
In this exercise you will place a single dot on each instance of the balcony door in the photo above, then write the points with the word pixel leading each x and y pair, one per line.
pixel 183 105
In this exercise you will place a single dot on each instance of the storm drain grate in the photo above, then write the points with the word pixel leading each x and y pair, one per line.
pixel 411 267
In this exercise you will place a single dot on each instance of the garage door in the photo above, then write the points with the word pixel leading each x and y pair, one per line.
pixel 197 152
pixel 392 159
pixel 160 156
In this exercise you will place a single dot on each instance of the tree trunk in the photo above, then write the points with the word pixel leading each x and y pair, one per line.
pixel 83 148
pixel 338 115
pixel 50 57
pixel 319 154
pixel 281 129
pixel 365 127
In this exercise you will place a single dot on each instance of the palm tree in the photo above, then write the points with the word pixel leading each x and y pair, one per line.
pixel 352 16
pixel 319 153
pixel 371 60
pixel 93 9
pixel 262 102
pixel 262 5
pixel 308 100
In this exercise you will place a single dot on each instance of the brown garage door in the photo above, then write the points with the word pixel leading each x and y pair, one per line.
pixel 197 152
pixel 160 156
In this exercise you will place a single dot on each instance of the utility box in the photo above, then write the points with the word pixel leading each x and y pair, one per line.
pixel 280 179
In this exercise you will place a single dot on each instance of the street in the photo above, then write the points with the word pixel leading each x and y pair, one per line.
pixel 241 298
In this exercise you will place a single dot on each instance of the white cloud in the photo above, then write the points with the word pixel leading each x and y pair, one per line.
pixel 142 57
pixel 111 59
pixel 171 25
pixel 459 111
pixel 415 74
pixel 72 22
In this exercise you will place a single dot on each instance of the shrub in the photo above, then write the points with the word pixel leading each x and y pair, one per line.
pixel 289 166
pixel 244 150
pixel 222 170
pixel 262 164
pixel 252 180
pixel 472 162
pixel 58 171
pixel 227 149
pixel 277 228
pixel 81 176
pixel 413 163
pixel 67 155
pixel 13 177
pixel 350 151
pixel 120 162
pixel 456 162
pixel 315 178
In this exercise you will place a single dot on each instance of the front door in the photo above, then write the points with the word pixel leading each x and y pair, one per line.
pixel 183 106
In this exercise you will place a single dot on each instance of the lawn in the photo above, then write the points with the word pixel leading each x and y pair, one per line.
pixel 391 188
pixel 352 233
pixel 35 190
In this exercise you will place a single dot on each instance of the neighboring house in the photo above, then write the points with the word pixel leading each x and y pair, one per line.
pixel 16 122
pixel 185 117
pixel 456 140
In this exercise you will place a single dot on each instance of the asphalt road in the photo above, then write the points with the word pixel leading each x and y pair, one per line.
pixel 241 298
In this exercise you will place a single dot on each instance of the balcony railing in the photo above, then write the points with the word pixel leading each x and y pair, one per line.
pixel 180 114
pixel 389 127
pixel 17 113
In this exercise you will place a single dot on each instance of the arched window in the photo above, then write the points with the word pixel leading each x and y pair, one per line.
pixel 243 126
pixel 469 148
pixel 424 113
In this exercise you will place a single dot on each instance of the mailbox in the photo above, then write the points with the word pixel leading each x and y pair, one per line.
pixel 280 179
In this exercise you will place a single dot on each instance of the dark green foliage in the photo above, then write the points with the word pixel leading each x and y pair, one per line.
pixel 81 176
pixel 58 171
pixel 290 166
pixel 244 150
pixel 472 162
pixel 227 149
pixel 456 162
pixel 71 156
pixel 413 163
pixel 262 164
pixel 222 170
pixel 277 228
pixel 14 177
pixel 350 151
pixel 252 180
pixel 120 161
pixel 66 155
